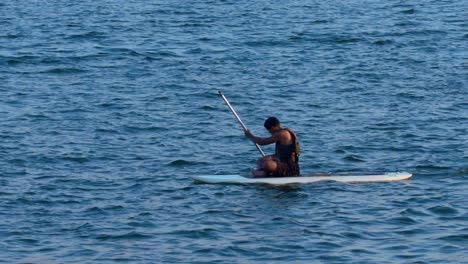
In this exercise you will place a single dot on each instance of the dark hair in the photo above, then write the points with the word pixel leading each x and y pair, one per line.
pixel 271 122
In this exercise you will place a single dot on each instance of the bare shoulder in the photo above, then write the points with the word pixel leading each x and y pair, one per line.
pixel 284 135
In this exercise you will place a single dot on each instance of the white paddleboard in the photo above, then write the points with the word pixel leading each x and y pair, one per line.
pixel 393 176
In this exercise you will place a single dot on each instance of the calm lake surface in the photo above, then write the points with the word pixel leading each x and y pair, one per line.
pixel 108 107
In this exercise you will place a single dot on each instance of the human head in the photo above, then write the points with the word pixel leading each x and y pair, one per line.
pixel 272 123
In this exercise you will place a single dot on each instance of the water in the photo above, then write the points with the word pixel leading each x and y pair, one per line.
pixel 108 107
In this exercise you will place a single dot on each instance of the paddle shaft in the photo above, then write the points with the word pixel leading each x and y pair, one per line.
pixel 238 119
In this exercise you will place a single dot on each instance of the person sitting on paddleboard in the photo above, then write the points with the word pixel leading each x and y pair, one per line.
pixel 285 161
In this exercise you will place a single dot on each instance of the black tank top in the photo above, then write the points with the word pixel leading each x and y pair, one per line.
pixel 289 153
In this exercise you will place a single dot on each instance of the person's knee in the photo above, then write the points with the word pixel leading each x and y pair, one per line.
pixel 270 166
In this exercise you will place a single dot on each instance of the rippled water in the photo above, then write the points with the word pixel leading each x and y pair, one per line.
pixel 108 107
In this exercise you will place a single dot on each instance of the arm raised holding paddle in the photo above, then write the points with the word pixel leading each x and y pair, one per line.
pixel 264 141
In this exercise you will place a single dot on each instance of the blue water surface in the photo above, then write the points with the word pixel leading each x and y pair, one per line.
pixel 108 107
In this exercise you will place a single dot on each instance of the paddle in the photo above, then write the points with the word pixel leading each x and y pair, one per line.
pixel 238 119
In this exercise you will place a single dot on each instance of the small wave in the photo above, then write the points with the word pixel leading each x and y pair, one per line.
pixel 204 251
pixel 352 235
pixel 412 212
pixel 131 236
pixel 404 220
pixel 208 108
pixel 204 39
pixel 142 224
pixel 37 116
pixel 14 60
pixel 443 210
pixel 33 201
pixel 86 35
pixel 289 191
pixel 396 247
pixel 409 135
pixel 17 161
pixel 410 96
pixel 10 36
pixel 354 158
pixel 425 32
pixel 408 11
pixel 110 105
pixel 145 214
pixel 143 129
pixel 411 231
pixel 164 54
pixel 346 40
pixel 320 21
pixel 384 127
pixel 213 211
pixel 82 227
pixel 195 24
pixel 404 24
pixel 265 43
pixel 29 241
pixel 455 238
pixel 181 162
pixel 76 159
pixel 64 70
pixel 329 245
pixel 126 51
pixel 297 36
pixel 431 167
pixel 160 98
pixel 106 131
pixel 195 233
pixel 65 202
pixel 96 209
pixel 383 42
